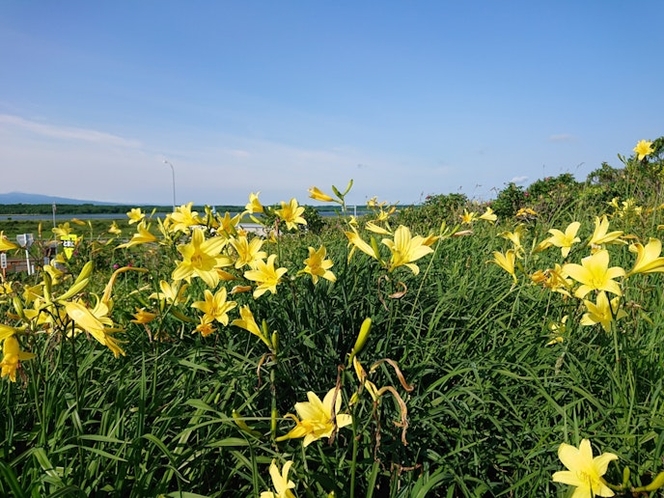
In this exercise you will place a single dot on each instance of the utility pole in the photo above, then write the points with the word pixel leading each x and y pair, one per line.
pixel 173 173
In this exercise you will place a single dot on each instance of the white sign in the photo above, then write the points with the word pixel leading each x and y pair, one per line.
pixel 25 239
pixel 3 260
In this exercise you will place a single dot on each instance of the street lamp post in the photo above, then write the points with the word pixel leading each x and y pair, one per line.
pixel 173 173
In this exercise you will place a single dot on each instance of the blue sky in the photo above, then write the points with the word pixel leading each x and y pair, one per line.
pixel 406 98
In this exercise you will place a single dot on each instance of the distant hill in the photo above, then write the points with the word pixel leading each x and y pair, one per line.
pixel 23 198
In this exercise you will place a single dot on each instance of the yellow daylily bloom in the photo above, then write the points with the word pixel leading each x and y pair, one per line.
pixel 205 327
pixel 318 266
pixel 363 379
pixel 602 311
pixel 594 274
pixel 467 218
pixel 135 215
pixel 318 195
pixel 356 242
pixel 266 275
pixel 94 322
pixel 62 230
pixel 506 262
pixel 565 240
pixel 489 215
pixel 228 224
pixel 584 472
pixel 526 213
pixel 200 258
pixel 114 229
pixel 372 227
pixel 142 317
pixel 643 148
pixel 215 306
pixel 248 252
pixel 254 206
pixel 282 485
pixel 5 244
pixel 558 330
pixel 515 238
pixel 291 214
pixel 317 419
pixel 553 279
pixel 171 294
pixel 648 258
pixel 600 235
pixel 248 323
pixel 183 218
pixel 406 249
pixel 143 236
pixel 11 357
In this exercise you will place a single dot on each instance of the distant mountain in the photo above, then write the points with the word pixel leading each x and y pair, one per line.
pixel 23 198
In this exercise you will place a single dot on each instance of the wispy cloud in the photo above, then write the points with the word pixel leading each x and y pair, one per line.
pixel 562 137
pixel 66 133
pixel 519 179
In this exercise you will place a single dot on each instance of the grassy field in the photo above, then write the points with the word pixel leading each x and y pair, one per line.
pixel 186 362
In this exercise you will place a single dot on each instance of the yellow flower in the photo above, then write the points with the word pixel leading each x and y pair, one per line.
pixel 183 218
pixel 170 294
pixel 248 323
pixel 215 306
pixel 647 258
pixel 135 215
pixel 200 258
pixel 317 419
pixel 93 322
pixel 5 244
pixel 565 240
pixel 584 471
pixel 600 235
pixel 316 194
pixel 526 213
pixel 515 238
pixel 364 379
pixel 114 229
pixel 602 311
pixel 143 236
pixel 489 215
pixel 228 224
pixel 594 274
pixel 506 262
pixel 558 330
pixel 467 218
pixel 142 317
pixel 372 227
pixel 254 205
pixel 643 148
pixel 247 252
pixel 282 485
pixel 318 266
pixel 406 249
pixel 12 355
pixel 62 230
pixel 291 214
pixel 205 326
pixel 266 275
pixel 357 242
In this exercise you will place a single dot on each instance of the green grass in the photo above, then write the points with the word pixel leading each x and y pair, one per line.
pixel 490 403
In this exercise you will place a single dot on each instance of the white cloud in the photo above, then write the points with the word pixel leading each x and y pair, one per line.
pixel 66 133
pixel 519 179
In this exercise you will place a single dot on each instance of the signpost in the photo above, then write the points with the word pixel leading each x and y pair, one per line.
pixel 25 240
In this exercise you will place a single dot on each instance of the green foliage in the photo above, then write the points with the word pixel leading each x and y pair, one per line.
pixel 490 401
pixel 433 211
pixel 509 200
